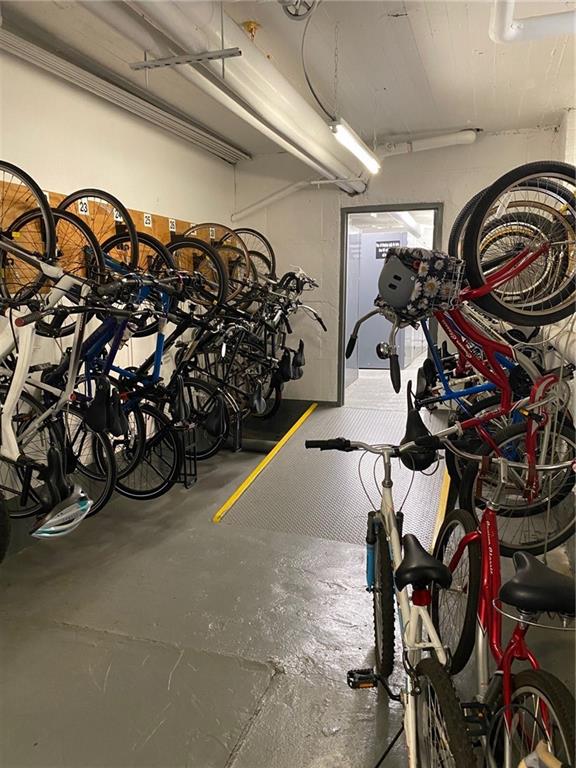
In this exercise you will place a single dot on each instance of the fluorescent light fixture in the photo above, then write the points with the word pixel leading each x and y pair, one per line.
pixel 354 144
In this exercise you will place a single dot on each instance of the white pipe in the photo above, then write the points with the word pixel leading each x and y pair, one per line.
pixel 434 142
pixel 269 199
pixel 253 79
pixel 281 194
pixel 504 28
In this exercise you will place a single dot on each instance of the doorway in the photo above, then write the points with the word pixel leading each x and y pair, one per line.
pixel 367 235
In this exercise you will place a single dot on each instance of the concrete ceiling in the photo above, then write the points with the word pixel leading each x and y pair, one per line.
pixel 403 68
pixel 66 28
pixel 411 68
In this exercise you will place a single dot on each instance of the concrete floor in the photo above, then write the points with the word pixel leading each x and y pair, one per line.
pixel 152 637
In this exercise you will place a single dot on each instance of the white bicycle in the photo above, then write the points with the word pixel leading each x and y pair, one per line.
pixel 435 728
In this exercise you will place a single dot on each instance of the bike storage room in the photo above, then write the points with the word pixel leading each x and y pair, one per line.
pixel 287 377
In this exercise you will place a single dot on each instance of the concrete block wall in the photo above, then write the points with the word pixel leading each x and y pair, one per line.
pixel 304 228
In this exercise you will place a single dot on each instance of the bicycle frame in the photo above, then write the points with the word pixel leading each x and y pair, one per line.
pixel 413 614
pixel 9 448
pixel 489 617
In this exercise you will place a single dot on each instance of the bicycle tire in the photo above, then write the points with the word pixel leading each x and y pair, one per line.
pixel 223 240
pixel 469 500
pixel 558 701
pixel 39 201
pixel 97 478
pixel 465 587
pixel 268 253
pixel 153 259
pixel 453 736
pixel 459 225
pixel 383 605
pixel 181 250
pixel 11 475
pixel 491 303
pixel 208 442
pixel 102 234
pixel 88 264
pixel 162 454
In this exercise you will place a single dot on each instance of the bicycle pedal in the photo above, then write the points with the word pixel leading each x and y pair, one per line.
pixel 362 678
pixel 476 717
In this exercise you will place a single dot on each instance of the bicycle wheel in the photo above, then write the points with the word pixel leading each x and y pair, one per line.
pixel 153 259
pixel 442 733
pixel 459 226
pixel 200 259
pixel 210 416
pixel 159 467
pixel 453 610
pixel 77 252
pixel 106 216
pixel 383 605
pixel 22 491
pixel 530 190
pixel 542 711
pixel 19 195
pixel 232 252
pixel 533 526
pixel 90 459
pixel 255 241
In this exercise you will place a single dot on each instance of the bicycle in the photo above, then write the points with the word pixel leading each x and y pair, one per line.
pixel 434 724
pixel 468 616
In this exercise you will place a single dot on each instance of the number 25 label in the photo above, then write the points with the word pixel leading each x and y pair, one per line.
pixel 147 220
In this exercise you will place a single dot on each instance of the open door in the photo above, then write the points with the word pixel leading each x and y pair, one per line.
pixel 367 235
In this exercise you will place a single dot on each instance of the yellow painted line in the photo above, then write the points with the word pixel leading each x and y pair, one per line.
pixel 263 464
pixel 442 504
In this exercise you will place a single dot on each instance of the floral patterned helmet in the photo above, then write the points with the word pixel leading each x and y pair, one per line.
pixel 415 283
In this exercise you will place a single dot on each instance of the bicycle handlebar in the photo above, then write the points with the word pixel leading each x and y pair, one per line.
pixel 437 441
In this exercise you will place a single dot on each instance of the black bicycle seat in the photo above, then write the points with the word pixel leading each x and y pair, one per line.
pixel 418 568
pixel 536 588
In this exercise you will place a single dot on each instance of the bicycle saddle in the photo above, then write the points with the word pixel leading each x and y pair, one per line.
pixel 420 569
pixel 535 587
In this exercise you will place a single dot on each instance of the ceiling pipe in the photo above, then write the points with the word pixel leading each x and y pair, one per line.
pixel 467 136
pixel 504 28
pixel 275 197
pixel 262 95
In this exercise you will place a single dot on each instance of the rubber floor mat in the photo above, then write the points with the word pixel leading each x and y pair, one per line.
pixel 320 494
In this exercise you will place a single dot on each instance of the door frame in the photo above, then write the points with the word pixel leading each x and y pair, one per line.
pixel 438 209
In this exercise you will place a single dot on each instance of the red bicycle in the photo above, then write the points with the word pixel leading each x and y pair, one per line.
pixel 517 713
pixel 519 258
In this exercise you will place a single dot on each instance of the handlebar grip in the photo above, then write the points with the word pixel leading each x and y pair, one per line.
pixel 350 346
pixel 336 444
pixel 395 376
pixel 33 317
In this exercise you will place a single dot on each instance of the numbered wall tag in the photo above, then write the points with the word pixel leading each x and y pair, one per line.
pixel 118 216
pixel 83 207
pixel 147 219
pixel 212 233
pixel 172 225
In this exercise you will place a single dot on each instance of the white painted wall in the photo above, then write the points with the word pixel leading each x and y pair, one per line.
pixel 567 136
pixel 67 139
pixel 305 227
